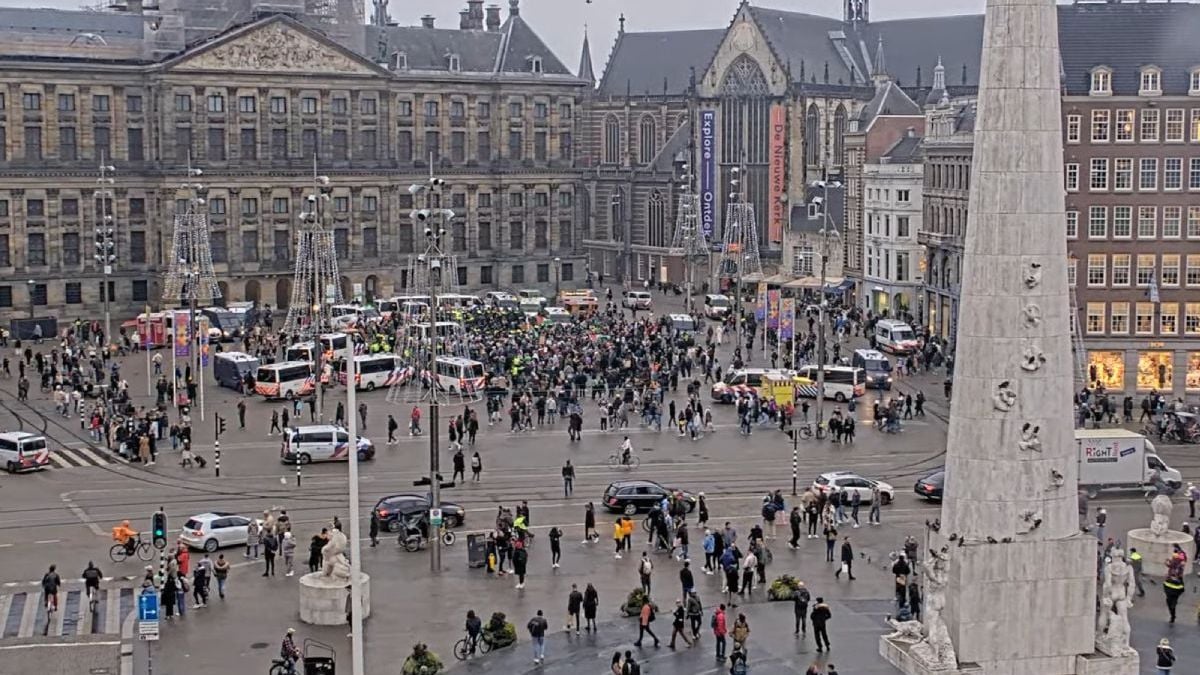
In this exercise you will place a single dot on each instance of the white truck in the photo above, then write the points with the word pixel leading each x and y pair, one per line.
pixel 1119 459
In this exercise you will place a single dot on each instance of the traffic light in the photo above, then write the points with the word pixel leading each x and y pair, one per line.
pixel 159 529
pixel 220 426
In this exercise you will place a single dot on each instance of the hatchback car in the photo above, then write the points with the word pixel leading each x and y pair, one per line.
pixel 850 481
pixel 389 510
pixel 931 487
pixel 632 496
pixel 211 531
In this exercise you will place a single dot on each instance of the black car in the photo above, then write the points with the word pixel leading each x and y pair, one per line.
pixel 930 487
pixel 631 496
pixel 391 509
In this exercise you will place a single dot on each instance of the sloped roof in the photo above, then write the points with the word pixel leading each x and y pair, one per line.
pixel 907 150
pixel 917 43
pixel 889 100
pixel 1126 37
pixel 479 51
pixel 675 147
pixel 643 61
pixel 521 43
pixel 798 218
pixel 797 38
pixel 71 22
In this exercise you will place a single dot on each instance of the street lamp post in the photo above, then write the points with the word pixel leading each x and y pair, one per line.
pixel 828 233
pixel 31 284
pixel 106 250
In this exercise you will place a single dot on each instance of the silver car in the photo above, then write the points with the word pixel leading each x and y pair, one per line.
pixel 848 481
pixel 211 531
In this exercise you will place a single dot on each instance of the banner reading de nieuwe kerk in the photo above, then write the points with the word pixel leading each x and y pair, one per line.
pixel 776 208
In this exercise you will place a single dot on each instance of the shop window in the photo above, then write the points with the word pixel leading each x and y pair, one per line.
pixel 1155 371
pixel 1106 369
pixel 1193 371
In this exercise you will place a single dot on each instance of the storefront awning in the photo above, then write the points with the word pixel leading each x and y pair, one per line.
pixel 839 287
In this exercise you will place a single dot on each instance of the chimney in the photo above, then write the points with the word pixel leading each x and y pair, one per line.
pixel 493 17
pixel 464 19
pixel 427 21
pixel 514 7
pixel 476 9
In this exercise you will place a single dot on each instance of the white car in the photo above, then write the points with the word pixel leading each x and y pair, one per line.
pixel 636 300
pixel 532 296
pixel 852 482
pixel 211 531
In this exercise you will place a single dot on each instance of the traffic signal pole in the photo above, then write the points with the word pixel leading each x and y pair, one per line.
pixel 219 423
pixel 356 608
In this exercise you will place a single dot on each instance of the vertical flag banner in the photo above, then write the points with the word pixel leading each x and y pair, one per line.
pixel 203 328
pixel 773 309
pixel 776 208
pixel 787 319
pixel 708 172
pixel 183 345
pixel 760 305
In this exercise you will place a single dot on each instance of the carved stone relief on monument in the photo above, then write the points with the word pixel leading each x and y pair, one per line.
pixel 1004 398
pixel 274 48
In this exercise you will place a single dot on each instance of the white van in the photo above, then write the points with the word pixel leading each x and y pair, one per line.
pixel 717 306
pixel 285 380
pixel 896 337
pixel 23 451
pixel 842 383
pixel 743 381
pixel 877 366
pixel 636 300
pixel 373 370
pixel 458 375
pixel 321 443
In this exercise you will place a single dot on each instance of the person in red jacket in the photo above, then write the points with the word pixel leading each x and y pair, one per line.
pixel 719 631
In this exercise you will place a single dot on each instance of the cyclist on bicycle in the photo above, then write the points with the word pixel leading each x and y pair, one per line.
pixel 626 451
pixel 91 579
pixel 474 627
pixel 288 651
pixel 124 534
pixel 50 584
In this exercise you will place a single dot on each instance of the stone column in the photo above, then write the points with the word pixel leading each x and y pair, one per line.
pixel 1012 585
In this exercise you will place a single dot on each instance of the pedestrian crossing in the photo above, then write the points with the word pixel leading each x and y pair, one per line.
pixel 74 458
pixel 23 614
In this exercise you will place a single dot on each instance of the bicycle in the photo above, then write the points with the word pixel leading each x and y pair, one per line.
pixel 282 667
pixel 93 593
pixel 119 553
pixel 615 462
pixel 467 647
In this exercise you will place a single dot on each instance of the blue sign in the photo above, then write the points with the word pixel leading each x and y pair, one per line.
pixel 148 605
pixel 708 170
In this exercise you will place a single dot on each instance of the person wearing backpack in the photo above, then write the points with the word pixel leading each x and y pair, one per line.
pixel 645 568
pixel 695 613
pixel 800 600
pixel 644 620
pixel 719 631
pixel 537 632
pixel 631 666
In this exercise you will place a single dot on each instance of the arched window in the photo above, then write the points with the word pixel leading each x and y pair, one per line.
pixel 646 141
pixel 812 136
pixel 656 220
pixel 839 135
pixel 612 140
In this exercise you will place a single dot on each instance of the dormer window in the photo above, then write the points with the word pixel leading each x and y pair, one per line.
pixel 535 64
pixel 1151 81
pixel 1101 82
pixel 452 62
pixel 399 61
pixel 1194 82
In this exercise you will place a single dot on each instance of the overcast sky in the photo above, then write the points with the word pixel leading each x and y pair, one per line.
pixel 561 22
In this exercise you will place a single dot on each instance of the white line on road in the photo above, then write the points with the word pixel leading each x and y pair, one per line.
pixel 48 541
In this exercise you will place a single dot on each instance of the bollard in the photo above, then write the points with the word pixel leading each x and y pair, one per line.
pixel 297 472
pixel 217 457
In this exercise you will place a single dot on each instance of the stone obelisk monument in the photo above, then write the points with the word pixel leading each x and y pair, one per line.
pixel 1010 580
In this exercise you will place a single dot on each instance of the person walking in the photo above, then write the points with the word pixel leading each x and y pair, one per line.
pixel 855 502
pixel 574 606
pixel 392 427
pixel 476 466
pixel 618 537
pixel 568 475
pixel 221 574
pixel 270 545
pixel 274 424
pixel 645 618
pixel 820 618
pixel 847 561
pixel 460 466
pixel 831 535
pixel 794 521
pixel 1164 657
pixel 678 621
pixel 287 546
pixel 362 415
pixel 687 580
pixel 590 535
pixel 1173 586
pixel 741 632
pixel 749 563
pixel 520 561
pixel 241 413
pixel 591 601
pixel 537 634
pixel 1135 561
pixel 373 532
pixel 876 503
pixel 169 594
pixel 695 613
pixel 555 536
pixel 800 599
pixel 252 539
pixel 719 631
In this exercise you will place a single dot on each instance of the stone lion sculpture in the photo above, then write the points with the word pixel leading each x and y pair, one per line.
pixel 333 553
pixel 1161 522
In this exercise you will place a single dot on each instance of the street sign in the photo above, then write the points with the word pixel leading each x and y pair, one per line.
pixel 148 606
pixel 435 517
pixel 148 631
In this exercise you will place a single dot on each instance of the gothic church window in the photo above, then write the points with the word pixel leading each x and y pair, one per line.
pixel 612 140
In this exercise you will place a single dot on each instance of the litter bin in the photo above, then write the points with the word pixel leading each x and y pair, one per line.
pixel 476 550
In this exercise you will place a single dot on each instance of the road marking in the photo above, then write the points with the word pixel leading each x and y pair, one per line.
pixel 56 645
pixel 32 602
pixel 81 514
pixel 58 460
pixel 96 459
pixel 48 541
pixel 5 545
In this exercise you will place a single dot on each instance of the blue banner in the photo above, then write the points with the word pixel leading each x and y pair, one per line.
pixel 708 171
